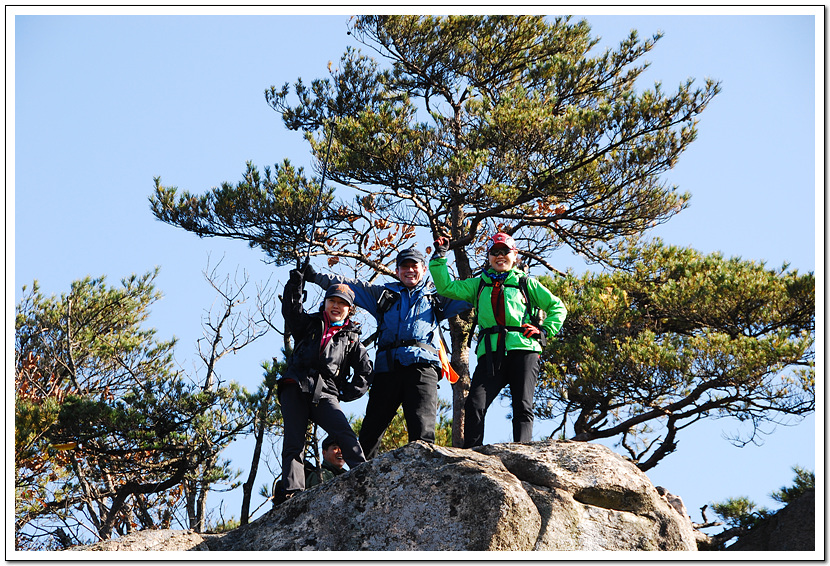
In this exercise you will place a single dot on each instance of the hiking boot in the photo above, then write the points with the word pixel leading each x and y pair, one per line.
pixel 279 494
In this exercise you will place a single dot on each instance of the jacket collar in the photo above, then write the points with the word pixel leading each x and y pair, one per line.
pixel 400 287
pixel 331 467
pixel 350 324
pixel 513 274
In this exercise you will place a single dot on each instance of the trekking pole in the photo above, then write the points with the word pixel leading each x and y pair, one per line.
pixel 318 460
pixel 317 205
pixel 320 193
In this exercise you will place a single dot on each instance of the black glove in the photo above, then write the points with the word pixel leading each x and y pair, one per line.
pixel 308 272
pixel 295 277
pixel 442 246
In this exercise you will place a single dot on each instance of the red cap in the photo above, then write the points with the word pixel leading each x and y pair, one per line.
pixel 501 239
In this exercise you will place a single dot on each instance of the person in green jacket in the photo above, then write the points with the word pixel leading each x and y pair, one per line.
pixel 510 339
pixel 332 464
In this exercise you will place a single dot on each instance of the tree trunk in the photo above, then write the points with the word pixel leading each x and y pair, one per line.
pixel 190 502
pixel 143 512
pixel 248 486
pixel 460 359
pixel 88 491
pixel 461 364
pixel 201 500
pixel 108 524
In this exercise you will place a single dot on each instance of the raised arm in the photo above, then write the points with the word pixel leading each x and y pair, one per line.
pixel 365 295
pixel 292 303
pixel 461 290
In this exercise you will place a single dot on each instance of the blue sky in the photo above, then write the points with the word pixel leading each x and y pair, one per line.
pixel 102 104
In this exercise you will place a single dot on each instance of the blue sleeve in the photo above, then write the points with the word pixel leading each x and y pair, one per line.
pixel 452 307
pixel 365 295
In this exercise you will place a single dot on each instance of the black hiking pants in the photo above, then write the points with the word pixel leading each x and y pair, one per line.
pixel 416 388
pixel 517 368
pixel 297 411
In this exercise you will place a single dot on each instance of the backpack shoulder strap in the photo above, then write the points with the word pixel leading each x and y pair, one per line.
pixel 434 300
pixel 523 288
pixel 481 285
pixel 535 314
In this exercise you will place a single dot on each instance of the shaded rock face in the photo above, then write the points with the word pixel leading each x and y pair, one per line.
pixel 554 495
pixel 793 528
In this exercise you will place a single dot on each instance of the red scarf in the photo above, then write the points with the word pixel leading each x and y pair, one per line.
pixel 329 331
pixel 497 301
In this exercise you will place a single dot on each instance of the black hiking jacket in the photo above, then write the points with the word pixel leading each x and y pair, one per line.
pixel 328 371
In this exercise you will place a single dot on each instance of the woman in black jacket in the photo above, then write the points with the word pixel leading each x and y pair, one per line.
pixel 316 378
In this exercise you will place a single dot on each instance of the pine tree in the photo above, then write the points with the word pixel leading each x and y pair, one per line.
pixel 465 126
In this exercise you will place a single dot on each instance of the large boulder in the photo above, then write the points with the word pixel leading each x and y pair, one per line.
pixel 590 498
pixel 537 496
pixel 419 497
pixel 548 496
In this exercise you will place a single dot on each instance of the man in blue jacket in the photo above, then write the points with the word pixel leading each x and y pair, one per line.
pixel 407 367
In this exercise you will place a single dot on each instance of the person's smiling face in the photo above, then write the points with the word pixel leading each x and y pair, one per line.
pixel 334 456
pixel 410 272
pixel 502 258
pixel 337 309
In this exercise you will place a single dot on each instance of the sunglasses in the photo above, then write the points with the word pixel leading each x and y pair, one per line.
pixel 500 251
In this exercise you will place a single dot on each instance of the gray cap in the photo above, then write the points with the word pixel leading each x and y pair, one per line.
pixel 410 253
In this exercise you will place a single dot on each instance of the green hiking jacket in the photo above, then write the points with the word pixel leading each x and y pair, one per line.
pixel 516 312
pixel 328 472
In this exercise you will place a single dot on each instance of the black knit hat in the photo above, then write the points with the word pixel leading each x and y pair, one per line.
pixel 328 441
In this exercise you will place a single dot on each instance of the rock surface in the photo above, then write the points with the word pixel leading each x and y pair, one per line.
pixel 540 496
pixel 418 497
pixel 163 539
pixel 521 497
pixel 591 498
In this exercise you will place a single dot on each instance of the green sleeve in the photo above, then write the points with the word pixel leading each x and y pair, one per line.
pixel 553 306
pixel 462 290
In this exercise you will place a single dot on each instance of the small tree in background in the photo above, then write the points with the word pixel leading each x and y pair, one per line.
pixel 100 434
pixel 109 436
pixel 227 330
pixel 804 481
pixel 267 417
pixel 674 337
pixel 742 515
